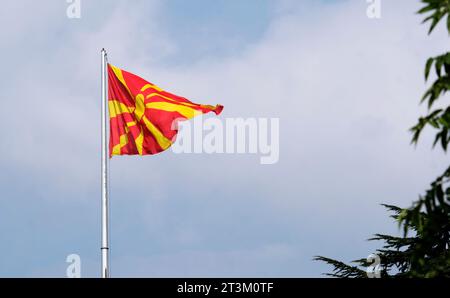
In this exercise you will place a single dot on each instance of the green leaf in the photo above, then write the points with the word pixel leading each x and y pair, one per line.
pixel 448 24
pixel 444 139
pixel 425 9
pixel 428 66
pixel 437 16
pixel 438 66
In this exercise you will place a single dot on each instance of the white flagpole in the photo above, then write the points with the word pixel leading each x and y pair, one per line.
pixel 104 157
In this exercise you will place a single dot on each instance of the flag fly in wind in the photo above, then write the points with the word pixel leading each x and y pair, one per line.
pixel 143 116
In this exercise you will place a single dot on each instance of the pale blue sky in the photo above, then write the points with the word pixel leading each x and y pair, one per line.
pixel 346 89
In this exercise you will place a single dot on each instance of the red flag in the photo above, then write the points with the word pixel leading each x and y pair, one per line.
pixel 142 115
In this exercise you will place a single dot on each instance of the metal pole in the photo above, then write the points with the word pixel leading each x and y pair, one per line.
pixel 104 157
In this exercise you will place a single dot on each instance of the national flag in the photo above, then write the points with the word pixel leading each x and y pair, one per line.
pixel 143 116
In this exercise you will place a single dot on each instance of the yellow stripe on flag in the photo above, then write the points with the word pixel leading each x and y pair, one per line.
pixel 117 108
pixel 119 75
pixel 170 107
pixel 160 138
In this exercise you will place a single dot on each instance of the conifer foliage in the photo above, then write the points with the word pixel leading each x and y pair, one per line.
pixel 424 248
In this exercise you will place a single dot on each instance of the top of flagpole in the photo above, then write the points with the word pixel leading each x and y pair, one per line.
pixel 103 51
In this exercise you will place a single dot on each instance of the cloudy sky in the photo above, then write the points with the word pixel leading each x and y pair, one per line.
pixel 345 88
